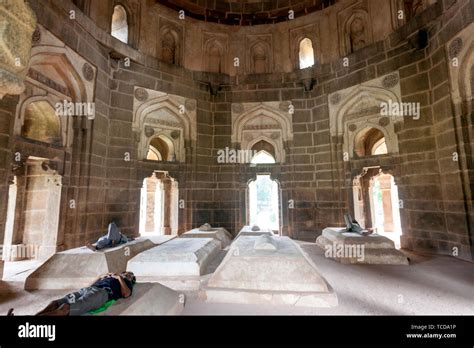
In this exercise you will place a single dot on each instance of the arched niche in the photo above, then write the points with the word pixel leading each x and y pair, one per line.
pixel 267 145
pixel 215 56
pixel 170 45
pixel 254 122
pixel 368 140
pixel 162 147
pixel 359 108
pixel 58 76
pixel 170 117
pixel 355 30
pixel 260 57
pixel 41 123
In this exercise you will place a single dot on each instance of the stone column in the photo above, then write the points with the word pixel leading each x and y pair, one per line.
pixel 167 206
pixel 17 24
pixel 150 205
pixel 385 187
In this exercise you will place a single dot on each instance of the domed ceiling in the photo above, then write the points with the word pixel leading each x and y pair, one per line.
pixel 245 12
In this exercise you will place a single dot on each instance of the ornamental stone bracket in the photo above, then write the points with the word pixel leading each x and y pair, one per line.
pixel 17 24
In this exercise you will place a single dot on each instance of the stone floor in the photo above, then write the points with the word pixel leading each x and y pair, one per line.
pixel 430 285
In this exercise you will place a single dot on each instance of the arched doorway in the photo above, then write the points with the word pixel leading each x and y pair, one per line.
pixel 159 205
pixel 264 203
pixel 376 203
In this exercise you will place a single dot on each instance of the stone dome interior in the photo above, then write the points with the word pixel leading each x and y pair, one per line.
pixel 246 12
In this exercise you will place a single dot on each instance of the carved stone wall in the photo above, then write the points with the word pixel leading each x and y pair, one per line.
pixel 268 121
pixel 157 113
pixel 18 25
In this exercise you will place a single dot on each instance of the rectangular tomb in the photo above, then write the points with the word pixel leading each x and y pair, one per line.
pixel 247 231
pixel 177 264
pixel 79 267
pixel 149 299
pixel 353 248
pixel 268 270
pixel 218 233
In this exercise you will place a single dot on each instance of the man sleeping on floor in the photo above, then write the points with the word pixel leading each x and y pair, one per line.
pixel 109 287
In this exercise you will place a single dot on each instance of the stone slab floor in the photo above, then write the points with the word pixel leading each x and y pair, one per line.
pixel 430 285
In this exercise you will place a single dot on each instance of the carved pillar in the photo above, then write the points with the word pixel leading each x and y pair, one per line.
pixel 385 187
pixel 151 188
pixel 167 187
pixel 17 24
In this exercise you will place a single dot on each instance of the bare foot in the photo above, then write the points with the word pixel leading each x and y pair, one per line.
pixel 91 247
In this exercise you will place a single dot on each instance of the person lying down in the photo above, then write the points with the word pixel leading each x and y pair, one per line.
pixel 113 238
pixel 110 287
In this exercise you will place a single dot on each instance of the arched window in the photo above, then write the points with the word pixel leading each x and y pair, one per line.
pixel 41 123
pixel 161 148
pixel 264 153
pixel 169 48
pixel 306 53
pixel 263 157
pixel 370 141
pixel 153 154
pixel 120 24
pixel 380 147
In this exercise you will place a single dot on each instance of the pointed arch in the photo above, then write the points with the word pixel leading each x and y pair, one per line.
pixel 260 57
pixel 119 23
pixel 215 54
pixel 306 53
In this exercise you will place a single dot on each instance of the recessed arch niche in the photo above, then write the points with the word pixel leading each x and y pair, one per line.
pixel 269 122
pixel 170 118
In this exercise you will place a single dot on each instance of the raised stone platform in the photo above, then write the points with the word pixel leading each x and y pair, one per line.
pixel 149 299
pixel 177 264
pixel 268 270
pixel 218 233
pixel 353 248
pixel 79 267
pixel 247 231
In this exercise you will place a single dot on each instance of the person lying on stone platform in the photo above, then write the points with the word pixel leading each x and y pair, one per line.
pixel 111 286
pixel 353 226
pixel 113 238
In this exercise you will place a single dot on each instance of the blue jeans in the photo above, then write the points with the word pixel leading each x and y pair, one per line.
pixel 85 300
pixel 113 237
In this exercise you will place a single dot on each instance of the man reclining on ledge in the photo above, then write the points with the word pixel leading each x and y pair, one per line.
pixel 113 238
pixel 109 287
